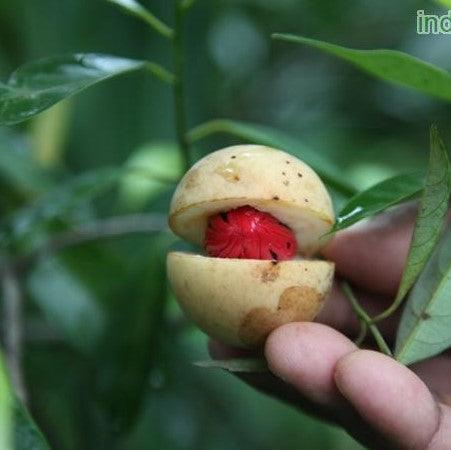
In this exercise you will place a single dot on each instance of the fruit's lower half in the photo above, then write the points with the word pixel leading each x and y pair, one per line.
pixel 240 301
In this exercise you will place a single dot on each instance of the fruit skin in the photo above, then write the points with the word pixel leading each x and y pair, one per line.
pixel 240 301
pixel 267 179
pixel 248 233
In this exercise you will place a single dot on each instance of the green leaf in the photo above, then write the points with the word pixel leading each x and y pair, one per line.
pixel 48 134
pixel 430 220
pixel 140 320
pixel 151 169
pixel 425 330
pixel 378 198
pixel 5 408
pixel 59 202
pixel 235 365
pixel 67 303
pixel 72 193
pixel 136 9
pixel 445 3
pixel 17 167
pixel 16 425
pixel 27 435
pixel 389 65
pixel 37 86
pixel 259 134
pixel 431 215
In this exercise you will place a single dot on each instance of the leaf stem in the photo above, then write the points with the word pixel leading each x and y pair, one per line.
pixel 363 333
pixel 363 316
pixel 160 72
pixel 135 9
pixel 389 311
pixel 207 129
pixel 179 87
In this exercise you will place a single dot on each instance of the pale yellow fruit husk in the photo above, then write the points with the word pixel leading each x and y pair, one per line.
pixel 240 301
pixel 267 179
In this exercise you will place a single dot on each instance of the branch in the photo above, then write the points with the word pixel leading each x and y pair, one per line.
pixel 134 8
pixel 101 229
pixel 13 327
pixel 365 318
pixel 179 84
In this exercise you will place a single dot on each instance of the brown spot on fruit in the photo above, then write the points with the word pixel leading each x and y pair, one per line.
pixel 286 182
pixel 269 272
pixel 276 197
pixel 296 303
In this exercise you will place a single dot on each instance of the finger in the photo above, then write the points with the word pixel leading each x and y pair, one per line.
pixel 304 355
pixel 392 399
pixel 372 256
pixel 301 357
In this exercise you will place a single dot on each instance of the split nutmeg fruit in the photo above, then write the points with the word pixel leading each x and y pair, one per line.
pixel 260 214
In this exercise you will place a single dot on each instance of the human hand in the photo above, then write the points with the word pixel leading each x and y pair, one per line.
pixel 381 403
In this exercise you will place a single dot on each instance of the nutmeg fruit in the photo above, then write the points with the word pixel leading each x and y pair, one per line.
pixel 261 214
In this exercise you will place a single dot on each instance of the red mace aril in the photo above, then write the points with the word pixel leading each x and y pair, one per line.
pixel 247 233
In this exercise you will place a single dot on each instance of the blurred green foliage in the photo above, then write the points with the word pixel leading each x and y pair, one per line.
pixel 108 354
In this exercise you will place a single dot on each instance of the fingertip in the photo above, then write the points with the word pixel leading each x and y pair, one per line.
pixel 304 355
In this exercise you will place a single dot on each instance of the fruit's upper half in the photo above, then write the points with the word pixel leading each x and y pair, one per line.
pixel 253 202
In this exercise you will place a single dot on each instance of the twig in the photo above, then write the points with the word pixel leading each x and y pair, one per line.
pixel 362 334
pixel 362 315
pixel 136 9
pixel 101 229
pixel 13 327
pixel 160 72
pixel 179 86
